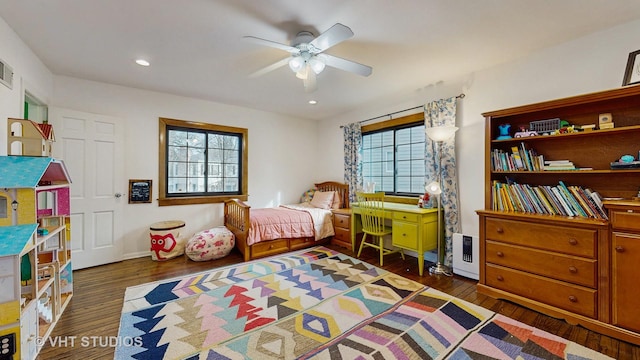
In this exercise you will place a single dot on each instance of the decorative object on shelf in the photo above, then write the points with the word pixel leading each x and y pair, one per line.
pixel 605 121
pixel 439 134
pixel 504 132
pixel 632 73
pixel 545 127
pixel 524 132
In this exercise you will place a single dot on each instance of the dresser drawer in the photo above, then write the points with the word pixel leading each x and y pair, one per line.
pixel 567 240
pixel 574 298
pixel 572 269
pixel 342 221
pixel 625 220
pixel 405 235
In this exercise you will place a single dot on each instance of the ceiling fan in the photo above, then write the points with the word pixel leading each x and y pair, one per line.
pixel 307 57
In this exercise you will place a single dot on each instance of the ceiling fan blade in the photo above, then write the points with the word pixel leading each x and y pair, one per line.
pixel 346 65
pixel 272 44
pixel 335 35
pixel 271 67
pixel 310 84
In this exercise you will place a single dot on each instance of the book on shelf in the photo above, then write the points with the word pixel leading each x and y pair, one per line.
pixel 557 165
pixel 547 200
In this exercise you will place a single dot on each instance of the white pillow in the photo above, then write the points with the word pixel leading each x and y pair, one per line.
pixel 337 202
pixel 323 199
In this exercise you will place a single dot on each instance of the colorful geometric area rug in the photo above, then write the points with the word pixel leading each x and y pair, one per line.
pixel 319 304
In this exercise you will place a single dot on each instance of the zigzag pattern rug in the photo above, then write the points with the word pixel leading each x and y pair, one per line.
pixel 319 304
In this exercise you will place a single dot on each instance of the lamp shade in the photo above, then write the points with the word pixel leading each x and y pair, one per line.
pixel 317 65
pixel 433 188
pixel 441 133
pixel 296 63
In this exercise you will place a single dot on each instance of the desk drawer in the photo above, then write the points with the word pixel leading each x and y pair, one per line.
pixel 342 221
pixel 574 298
pixel 573 269
pixel 563 239
pixel 405 235
pixel 405 216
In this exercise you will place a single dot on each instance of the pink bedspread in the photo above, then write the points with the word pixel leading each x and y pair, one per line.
pixel 279 223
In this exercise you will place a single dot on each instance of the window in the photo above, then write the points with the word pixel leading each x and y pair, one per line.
pixel 201 163
pixel 393 156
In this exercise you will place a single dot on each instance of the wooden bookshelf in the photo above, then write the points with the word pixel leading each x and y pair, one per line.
pixel 565 265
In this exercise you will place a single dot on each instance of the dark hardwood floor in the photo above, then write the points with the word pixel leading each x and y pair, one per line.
pixel 94 312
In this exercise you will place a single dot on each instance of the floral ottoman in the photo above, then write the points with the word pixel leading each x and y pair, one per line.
pixel 210 244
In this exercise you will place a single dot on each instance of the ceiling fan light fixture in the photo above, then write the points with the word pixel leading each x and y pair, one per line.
pixel 296 64
pixel 303 73
pixel 317 65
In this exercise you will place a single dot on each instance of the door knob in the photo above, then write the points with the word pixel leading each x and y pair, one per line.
pixel 118 195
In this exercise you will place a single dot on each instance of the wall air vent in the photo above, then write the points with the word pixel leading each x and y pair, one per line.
pixel 6 74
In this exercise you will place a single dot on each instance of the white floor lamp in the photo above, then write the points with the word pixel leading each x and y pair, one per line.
pixel 439 134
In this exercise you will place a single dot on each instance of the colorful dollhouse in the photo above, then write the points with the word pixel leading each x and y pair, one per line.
pixel 29 138
pixel 35 251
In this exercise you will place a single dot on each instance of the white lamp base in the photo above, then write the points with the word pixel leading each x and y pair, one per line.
pixel 439 269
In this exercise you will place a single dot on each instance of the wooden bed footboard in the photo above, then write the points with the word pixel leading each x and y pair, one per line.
pixel 237 220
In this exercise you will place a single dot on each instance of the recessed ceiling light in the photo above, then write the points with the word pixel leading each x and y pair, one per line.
pixel 142 62
pixel 312 102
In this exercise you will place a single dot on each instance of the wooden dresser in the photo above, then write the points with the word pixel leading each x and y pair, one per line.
pixel 580 266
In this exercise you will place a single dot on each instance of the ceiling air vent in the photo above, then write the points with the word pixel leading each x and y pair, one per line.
pixel 6 74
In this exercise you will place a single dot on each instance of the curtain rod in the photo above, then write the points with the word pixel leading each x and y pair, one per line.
pixel 461 96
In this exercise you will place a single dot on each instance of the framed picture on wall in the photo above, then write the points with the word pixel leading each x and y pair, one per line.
pixel 632 73
pixel 139 191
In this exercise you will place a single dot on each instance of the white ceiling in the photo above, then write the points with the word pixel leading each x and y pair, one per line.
pixel 196 48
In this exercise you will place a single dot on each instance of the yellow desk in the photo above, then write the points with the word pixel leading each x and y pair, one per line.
pixel 413 228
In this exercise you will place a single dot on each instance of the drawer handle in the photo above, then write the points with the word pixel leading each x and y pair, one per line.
pixel 270 247
pixel 499 230
pixel 573 299
pixel 404 216
pixel 500 254
pixel 573 269
pixel 573 241
pixel 500 278
pixel 619 249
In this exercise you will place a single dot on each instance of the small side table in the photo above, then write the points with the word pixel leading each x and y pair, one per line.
pixel 342 229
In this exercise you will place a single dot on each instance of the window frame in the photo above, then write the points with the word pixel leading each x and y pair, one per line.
pixel 393 124
pixel 163 199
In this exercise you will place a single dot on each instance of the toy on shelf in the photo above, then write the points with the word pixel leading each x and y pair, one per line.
pixel 504 132
pixel 524 132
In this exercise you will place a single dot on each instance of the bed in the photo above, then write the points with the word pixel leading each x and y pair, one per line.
pixel 297 226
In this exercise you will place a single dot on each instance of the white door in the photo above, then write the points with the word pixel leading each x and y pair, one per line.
pixel 91 147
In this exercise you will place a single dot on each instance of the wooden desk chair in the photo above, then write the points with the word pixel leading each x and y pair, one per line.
pixel 372 214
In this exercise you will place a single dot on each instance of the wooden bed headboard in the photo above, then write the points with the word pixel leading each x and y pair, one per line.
pixel 341 188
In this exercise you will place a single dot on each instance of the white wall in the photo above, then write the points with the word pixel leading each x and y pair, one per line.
pixel 29 74
pixel 281 150
pixel 592 63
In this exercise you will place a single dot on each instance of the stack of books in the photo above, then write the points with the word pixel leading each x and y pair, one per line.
pixel 519 159
pixel 550 200
pixel 555 165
